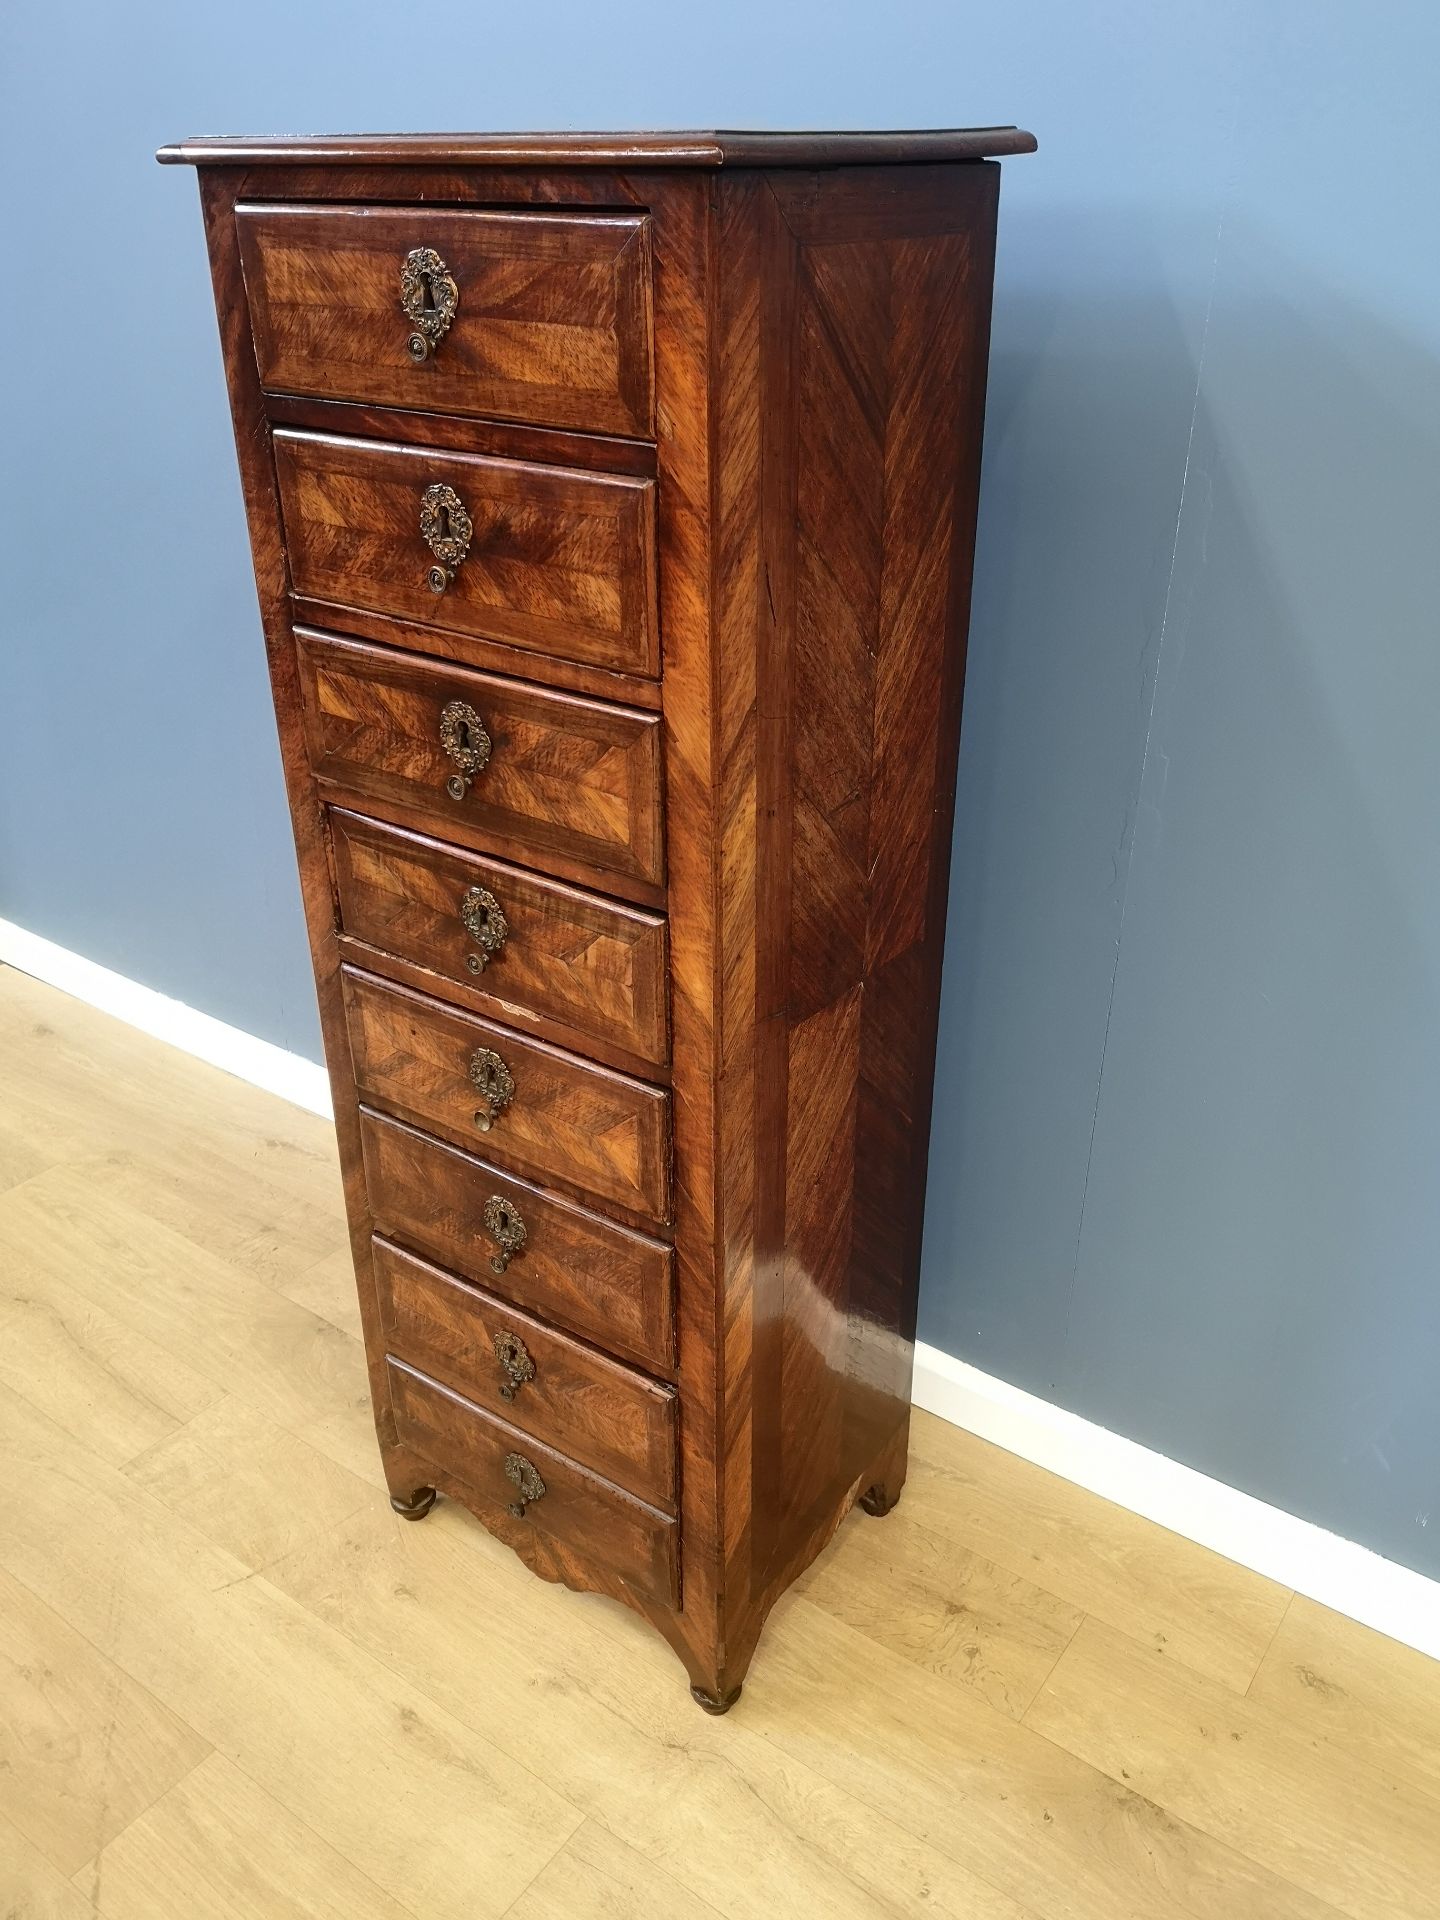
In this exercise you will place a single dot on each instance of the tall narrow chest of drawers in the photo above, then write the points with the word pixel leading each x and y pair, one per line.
pixel 612 503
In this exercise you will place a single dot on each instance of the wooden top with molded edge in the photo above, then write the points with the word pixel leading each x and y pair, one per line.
pixel 718 148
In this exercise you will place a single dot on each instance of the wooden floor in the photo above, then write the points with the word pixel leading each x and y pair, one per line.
pixel 233 1684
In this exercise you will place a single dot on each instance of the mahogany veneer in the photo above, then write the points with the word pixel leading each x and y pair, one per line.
pixel 555 323
pixel 559 562
pixel 612 501
pixel 612 1285
pixel 607 1416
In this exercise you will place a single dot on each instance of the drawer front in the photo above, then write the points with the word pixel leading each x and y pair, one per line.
pixel 560 562
pixel 550 321
pixel 527 945
pixel 577 780
pixel 598 1279
pixel 574 1507
pixel 566 1395
pixel 538 1110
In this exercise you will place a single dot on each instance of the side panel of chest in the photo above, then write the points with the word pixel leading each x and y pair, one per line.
pixel 854 324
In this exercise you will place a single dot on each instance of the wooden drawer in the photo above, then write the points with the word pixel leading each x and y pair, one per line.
pixel 575 782
pixel 606 1416
pixel 613 1285
pixel 561 1118
pixel 551 321
pixel 557 561
pixel 585 1514
pixel 590 967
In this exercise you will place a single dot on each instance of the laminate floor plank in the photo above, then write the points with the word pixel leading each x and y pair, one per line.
pixel 233 1686
pixel 1362 1694
pixel 242 1335
pixel 247 1200
pixel 111 1386
pixel 31 1887
pixel 20 1158
pixel 1152 1584
pixel 248 1484
pixel 598 1705
pixel 83 1748
pixel 950 1611
pixel 217 1847
pixel 1240 1771
pixel 433 1813
pixel 1050 1828
pixel 81 1085
pixel 328 1287
pixel 598 1876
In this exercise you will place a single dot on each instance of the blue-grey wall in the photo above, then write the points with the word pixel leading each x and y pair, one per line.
pixel 1188 1111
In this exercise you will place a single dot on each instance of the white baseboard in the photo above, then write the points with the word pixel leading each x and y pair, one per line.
pixel 1391 1598
pixel 1354 1581
pixel 257 1061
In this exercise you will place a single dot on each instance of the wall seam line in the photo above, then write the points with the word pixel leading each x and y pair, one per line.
pixel 1145 757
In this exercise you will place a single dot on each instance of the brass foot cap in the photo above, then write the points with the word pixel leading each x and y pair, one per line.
pixel 417 1506
pixel 714 1702
pixel 877 1501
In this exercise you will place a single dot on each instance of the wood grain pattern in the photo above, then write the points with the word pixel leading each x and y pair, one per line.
pixel 456 433
pixel 60 1700
pixel 718 148
pixel 598 1875
pixel 1276 1796
pixel 1152 1585
pixel 589 969
pixel 571 782
pixel 298 1707
pixel 577 1269
pixel 576 1512
pixel 552 323
pixel 573 1124
pixel 949 1611
pixel 492 656
pixel 218 1847
pixel 854 323
pixel 560 562
pixel 606 1416
pixel 1359 1693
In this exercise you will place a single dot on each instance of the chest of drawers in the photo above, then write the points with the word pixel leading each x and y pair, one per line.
pixel 612 503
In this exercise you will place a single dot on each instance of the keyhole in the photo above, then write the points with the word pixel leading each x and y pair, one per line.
pixel 427 293
pixel 462 734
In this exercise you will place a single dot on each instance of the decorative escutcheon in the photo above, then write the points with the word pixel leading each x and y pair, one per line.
pixel 428 299
pixel 482 919
pixel 515 1363
pixel 526 1481
pixel 447 530
pixel 495 1084
pixel 463 736
pixel 506 1229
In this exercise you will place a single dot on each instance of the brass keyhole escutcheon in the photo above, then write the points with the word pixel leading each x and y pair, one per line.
pixel 428 299
pixel 521 1474
pixel 447 530
pixel 495 1084
pixel 515 1363
pixel 483 920
pixel 506 1229
pixel 463 736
